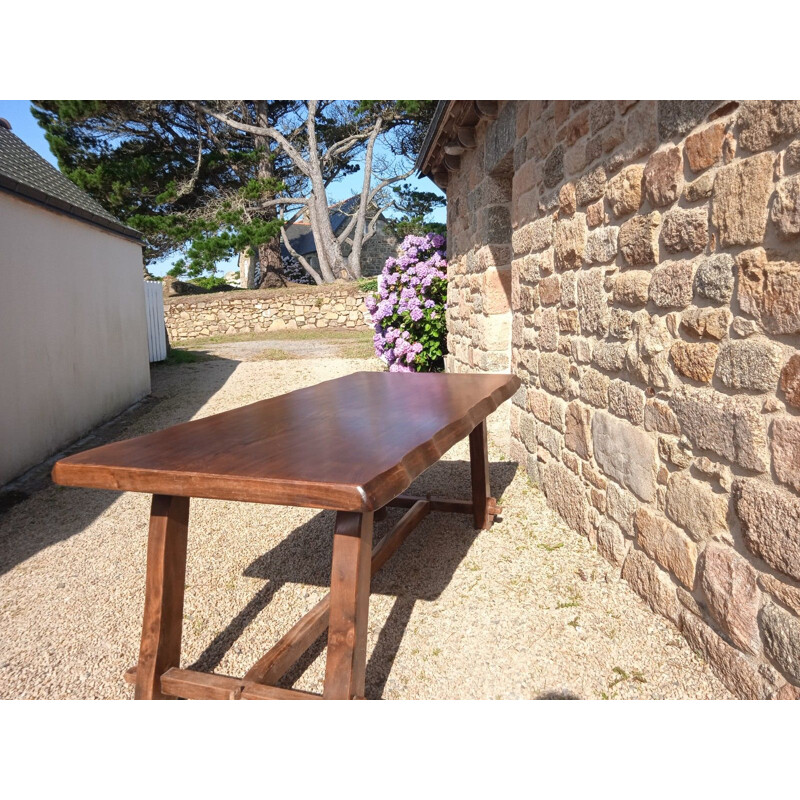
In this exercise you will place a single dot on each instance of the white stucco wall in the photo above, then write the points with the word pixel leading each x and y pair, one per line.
pixel 73 336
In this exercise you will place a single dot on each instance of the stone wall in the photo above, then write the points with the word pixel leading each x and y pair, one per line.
pixel 257 311
pixel 646 256
pixel 479 274
pixel 384 244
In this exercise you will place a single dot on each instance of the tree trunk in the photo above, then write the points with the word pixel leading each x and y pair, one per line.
pixel 309 160
pixel 270 265
pixel 269 253
pixel 323 235
pixel 331 262
pixel 325 240
pixel 353 263
pixel 247 269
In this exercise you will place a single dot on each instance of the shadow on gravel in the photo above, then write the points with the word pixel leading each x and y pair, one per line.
pixel 21 540
pixel 420 570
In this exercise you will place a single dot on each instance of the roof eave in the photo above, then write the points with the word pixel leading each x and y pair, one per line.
pixel 56 204
pixel 450 134
pixel 431 135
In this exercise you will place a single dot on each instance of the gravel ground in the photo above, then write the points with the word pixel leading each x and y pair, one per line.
pixel 525 610
pixel 306 343
pixel 264 349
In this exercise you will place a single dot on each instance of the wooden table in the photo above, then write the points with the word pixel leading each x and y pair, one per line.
pixel 352 445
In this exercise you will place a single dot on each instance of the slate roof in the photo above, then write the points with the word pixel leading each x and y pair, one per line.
pixel 299 233
pixel 25 173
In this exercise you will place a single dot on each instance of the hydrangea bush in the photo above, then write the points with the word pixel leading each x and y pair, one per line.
pixel 408 310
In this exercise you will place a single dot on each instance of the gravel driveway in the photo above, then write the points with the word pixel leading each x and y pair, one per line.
pixel 525 610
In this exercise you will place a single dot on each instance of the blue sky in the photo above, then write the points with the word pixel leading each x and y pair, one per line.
pixel 17 112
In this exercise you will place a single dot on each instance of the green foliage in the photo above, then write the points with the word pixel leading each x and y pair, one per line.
pixel 256 188
pixel 415 206
pixel 211 282
pixel 431 331
pixel 415 227
pixel 179 356
pixel 187 183
pixel 208 241
pixel 408 310
pixel 197 186
pixel 368 284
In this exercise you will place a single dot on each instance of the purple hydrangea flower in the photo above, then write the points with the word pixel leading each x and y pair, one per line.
pixel 409 285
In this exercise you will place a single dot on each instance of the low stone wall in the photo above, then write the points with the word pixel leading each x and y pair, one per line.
pixel 258 311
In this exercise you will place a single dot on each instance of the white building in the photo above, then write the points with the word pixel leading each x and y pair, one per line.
pixel 73 335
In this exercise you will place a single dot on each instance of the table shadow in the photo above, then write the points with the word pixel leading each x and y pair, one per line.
pixel 420 570
pixel 20 541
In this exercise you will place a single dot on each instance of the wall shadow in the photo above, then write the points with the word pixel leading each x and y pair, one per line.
pixel 557 696
pixel 420 570
pixel 22 537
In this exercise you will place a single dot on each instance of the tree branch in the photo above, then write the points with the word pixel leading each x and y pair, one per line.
pixel 291 221
pixel 372 228
pixel 342 237
pixel 279 201
pixel 344 145
pixel 354 259
pixel 390 181
pixel 311 127
pixel 257 130
pixel 306 266
pixel 187 186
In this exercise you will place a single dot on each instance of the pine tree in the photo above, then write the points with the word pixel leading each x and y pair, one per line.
pixel 186 182
pixel 214 178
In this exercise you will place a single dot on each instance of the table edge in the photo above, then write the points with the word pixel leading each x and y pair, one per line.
pixel 388 484
pixel 307 494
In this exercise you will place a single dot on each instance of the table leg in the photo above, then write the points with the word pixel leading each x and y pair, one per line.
pixel 479 468
pixel 163 605
pixel 349 606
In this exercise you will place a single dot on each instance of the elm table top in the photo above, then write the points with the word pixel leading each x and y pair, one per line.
pixel 350 444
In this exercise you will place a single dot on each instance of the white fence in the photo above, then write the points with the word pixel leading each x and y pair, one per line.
pixel 156 332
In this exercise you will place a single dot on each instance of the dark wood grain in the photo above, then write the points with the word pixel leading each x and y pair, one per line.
pixel 352 444
pixel 164 589
pixel 479 471
pixel 348 444
pixel 272 666
pixel 346 658
pixel 390 543
pixel 193 685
